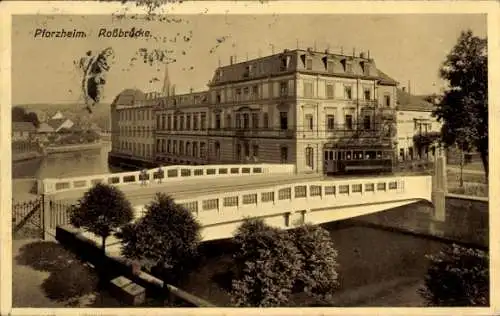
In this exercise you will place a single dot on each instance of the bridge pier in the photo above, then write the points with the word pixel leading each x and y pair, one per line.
pixel 439 189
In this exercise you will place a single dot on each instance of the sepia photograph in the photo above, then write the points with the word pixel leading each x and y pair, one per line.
pixel 222 160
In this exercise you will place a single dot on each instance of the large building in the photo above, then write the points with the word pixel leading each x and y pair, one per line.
pixel 298 106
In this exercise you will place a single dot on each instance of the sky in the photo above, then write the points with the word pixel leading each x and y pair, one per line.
pixel 408 47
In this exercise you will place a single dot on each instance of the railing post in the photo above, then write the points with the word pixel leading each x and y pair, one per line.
pixel 46 210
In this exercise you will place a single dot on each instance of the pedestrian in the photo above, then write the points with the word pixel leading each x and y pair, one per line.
pixel 160 174
pixel 144 174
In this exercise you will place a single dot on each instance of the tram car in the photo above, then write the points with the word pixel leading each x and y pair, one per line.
pixel 358 161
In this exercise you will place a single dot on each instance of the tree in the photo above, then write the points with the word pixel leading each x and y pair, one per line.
pixel 19 114
pixel 457 276
pixel 266 264
pixel 464 107
pixel 165 238
pixel 101 210
pixel 318 276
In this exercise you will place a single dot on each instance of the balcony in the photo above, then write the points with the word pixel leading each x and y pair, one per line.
pixel 253 133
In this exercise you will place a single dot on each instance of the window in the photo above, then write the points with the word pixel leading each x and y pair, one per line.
pixel 309 122
pixel 169 122
pixel 255 120
pixel 163 121
pixel 387 100
pixel 238 120
pixel 247 149
pixel 348 121
pixel 228 121
pixel 348 67
pixel 255 92
pixel 195 121
pixel 217 121
pixel 238 152
pixel 348 93
pixel 195 149
pixel 203 121
pixel 284 154
pixel 401 154
pixel 366 122
pixel 217 150
pixel 158 144
pixel 368 94
pixel 175 122
pixel 308 89
pixel 181 147
pixel 182 123
pixel 245 93
pixel 246 121
pixel 310 157
pixel 330 122
pixel 309 64
pixel 410 153
pixel 283 88
pixel 238 94
pixel 158 122
pixel 284 120
pixel 203 152
pixel 188 149
pixel 256 151
pixel 329 91
pixel 265 122
pixel 217 98
pixel 174 145
pixel 188 122
pixel 283 64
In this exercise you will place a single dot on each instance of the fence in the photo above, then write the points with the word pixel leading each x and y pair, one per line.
pixel 41 215
pixel 170 173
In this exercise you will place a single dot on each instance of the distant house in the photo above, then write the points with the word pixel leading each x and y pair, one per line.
pixel 45 128
pixel 22 131
pixel 60 123
pixel 414 117
pixel 57 116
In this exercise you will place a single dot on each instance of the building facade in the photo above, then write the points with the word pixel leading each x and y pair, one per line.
pixel 133 129
pixel 300 107
pixel 414 118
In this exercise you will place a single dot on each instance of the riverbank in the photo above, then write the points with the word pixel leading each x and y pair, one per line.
pixel 72 148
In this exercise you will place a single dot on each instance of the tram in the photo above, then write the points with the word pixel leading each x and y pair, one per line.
pixel 358 161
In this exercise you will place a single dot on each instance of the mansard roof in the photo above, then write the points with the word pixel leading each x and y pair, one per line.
pixel 291 61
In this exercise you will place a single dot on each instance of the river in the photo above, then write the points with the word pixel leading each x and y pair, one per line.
pixel 379 264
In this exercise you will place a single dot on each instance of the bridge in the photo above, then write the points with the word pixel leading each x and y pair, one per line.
pixel 222 196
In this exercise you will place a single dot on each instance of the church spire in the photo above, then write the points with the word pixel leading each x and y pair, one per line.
pixel 166 82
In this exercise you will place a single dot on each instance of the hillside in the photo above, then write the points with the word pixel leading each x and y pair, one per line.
pixel 75 112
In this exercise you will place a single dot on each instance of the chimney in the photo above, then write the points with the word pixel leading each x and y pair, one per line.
pixel 231 61
pixel 354 52
pixel 309 49
pixel 327 51
pixel 173 89
pixel 362 55
pixel 190 90
pixel 404 89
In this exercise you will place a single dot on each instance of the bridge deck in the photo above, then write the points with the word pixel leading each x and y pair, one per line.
pixel 189 188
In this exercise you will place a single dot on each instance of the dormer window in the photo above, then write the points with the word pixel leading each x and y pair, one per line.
pixel 347 65
pixel 330 65
pixel 219 75
pixel 365 67
pixel 309 64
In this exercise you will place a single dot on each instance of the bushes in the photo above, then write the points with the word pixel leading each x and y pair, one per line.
pixel 272 264
pixel 457 276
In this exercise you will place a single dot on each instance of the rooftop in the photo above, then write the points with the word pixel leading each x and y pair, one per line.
pixel 409 102
pixel 23 127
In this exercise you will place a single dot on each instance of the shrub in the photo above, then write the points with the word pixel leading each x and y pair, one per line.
pixel 457 276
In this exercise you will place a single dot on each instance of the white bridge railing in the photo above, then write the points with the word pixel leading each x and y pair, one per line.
pixel 168 174
pixel 304 201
